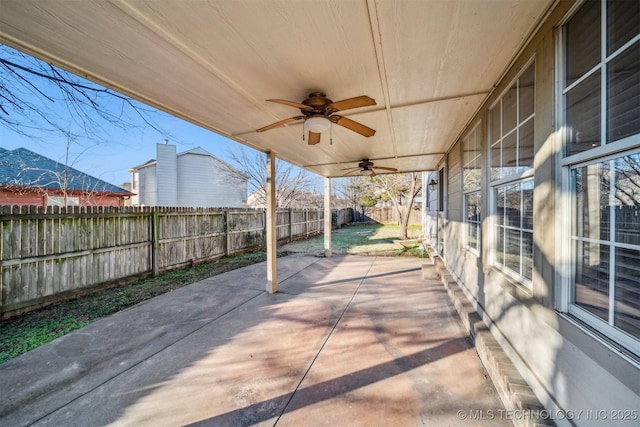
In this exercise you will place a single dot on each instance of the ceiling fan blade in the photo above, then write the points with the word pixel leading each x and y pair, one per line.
pixel 353 125
pixel 291 104
pixel 349 171
pixel 314 138
pixel 372 174
pixel 280 123
pixel 346 104
pixel 387 169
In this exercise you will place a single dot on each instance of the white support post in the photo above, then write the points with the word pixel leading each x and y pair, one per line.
pixel 327 217
pixel 271 238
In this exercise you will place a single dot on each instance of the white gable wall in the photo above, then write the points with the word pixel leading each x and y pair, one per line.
pixel 203 181
pixel 167 175
pixel 194 178
pixel 147 186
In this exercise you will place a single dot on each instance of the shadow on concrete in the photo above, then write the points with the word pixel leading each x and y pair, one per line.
pixel 330 389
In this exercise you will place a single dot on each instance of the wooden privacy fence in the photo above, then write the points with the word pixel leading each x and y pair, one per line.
pixel 389 215
pixel 48 254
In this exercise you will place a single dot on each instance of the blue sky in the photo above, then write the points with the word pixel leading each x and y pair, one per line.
pixel 111 159
pixel 116 150
pixel 110 155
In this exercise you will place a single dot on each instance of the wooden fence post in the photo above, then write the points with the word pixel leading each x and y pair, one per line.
pixel 227 250
pixel 155 245
pixel 306 222
pixel 290 224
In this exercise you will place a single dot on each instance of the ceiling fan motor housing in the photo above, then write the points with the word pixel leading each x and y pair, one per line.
pixel 319 102
pixel 365 164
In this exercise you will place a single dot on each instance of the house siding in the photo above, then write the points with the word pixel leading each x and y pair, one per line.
pixel 31 197
pixel 203 181
pixel 8 197
pixel 194 178
pixel 167 175
pixel 568 366
pixel 148 187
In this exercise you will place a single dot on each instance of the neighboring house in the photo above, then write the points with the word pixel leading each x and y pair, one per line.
pixel 27 178
pixel 194 178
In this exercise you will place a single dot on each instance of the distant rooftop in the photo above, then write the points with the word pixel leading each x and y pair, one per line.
pixel 24 168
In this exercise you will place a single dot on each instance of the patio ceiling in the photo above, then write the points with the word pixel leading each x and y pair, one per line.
pixel 428 64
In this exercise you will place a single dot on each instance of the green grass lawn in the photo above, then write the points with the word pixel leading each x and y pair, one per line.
pixel 366 239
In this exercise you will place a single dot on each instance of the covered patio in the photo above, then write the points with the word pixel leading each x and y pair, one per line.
pixel 348 340
pixel 393 84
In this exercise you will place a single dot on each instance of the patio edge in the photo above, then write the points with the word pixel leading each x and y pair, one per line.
pixel 522 405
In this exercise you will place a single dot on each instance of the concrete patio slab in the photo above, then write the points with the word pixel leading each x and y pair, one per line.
pixel 358 341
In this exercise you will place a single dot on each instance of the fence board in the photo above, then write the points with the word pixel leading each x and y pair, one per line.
pixel 44 253
pixel 389 215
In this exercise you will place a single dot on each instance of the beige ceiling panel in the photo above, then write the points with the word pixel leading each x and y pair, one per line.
pixel 431 128
pixel 436 49
pixel 275 49
pixel 150 69
pixel 428 64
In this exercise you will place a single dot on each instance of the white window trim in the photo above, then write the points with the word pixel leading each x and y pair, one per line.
pixel 603 327
pixel 467 246
pixel 521 281
pixel 565 224
pixel 59 201
pixel 442 210
pixel 478 134
pixel 569 306
pixel 516 279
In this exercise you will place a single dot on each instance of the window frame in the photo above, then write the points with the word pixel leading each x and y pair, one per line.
pixel 60 200
pixel 517 177
pixel 477 160
pixel 572 307
pixel 517 276
pixel 566 223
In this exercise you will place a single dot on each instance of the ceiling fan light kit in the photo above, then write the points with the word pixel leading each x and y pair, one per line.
pixel 318 114
pixel 317 124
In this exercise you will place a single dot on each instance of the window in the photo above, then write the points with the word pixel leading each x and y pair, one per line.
pixel 63 201
pixel 442 222
pixel 472 161
pixel 514 228
pixel 511 124
pixel 606 241
pixel 472 219
pixel 600 84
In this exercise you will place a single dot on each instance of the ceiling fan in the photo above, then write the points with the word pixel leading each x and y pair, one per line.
pixel 318 114
pixel 367 168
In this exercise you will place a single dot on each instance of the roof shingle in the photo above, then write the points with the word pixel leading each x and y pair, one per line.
pixel 24 168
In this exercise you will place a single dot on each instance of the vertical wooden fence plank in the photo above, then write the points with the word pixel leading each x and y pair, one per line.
pixel 155 248
pixel 47 251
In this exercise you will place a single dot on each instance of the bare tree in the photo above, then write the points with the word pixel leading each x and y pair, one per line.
pixel 294 186
pixel 359 192
pixel 401 190
pixel 39 100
